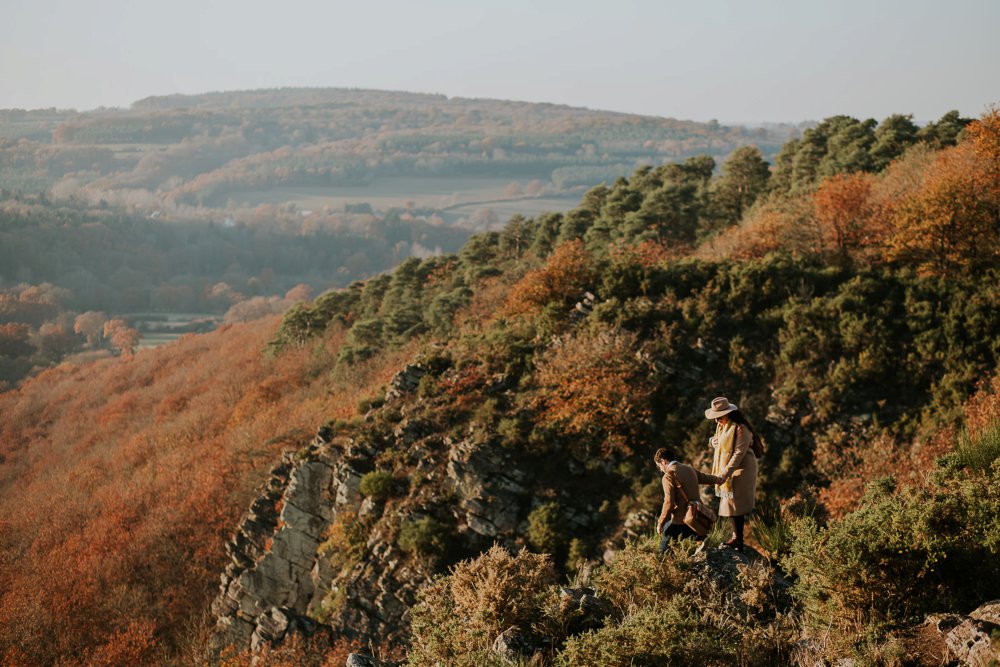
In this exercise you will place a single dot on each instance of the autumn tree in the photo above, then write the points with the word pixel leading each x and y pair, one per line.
pixel 952 223
pixel 91 325
pixel 123 337
pixel 843 212
pixel 596 387
pixel 298 294
pixel 565 276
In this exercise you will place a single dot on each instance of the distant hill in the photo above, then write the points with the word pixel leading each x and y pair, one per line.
pixel 180 152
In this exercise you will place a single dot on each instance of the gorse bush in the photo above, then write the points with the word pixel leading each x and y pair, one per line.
pixel 668 634
pixel 901 555
pixel 458 616
pixel 545 528
pixel 424 536
pixel 379 485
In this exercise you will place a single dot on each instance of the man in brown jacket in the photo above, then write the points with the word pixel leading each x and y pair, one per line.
pixel 671 522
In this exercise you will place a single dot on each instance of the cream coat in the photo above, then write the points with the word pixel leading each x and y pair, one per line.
pixel 674 506
pixel 742 466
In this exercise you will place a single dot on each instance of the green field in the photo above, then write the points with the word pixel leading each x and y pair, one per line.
pixel 161 328
pixel 452 194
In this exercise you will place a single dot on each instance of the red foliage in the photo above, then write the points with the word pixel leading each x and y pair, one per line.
pixel 120 483
pixel 596 386
pixel 565 276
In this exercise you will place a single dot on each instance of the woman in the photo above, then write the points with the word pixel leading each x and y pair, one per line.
pixel 671 522
pixel 735 464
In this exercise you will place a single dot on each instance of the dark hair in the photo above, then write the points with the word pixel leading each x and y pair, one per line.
pixel 739 418
pixel 661 455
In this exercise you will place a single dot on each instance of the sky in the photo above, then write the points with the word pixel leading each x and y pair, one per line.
pixel 735 61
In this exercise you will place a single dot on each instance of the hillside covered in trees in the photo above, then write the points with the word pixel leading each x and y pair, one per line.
pixel 200 150
pixel 846 300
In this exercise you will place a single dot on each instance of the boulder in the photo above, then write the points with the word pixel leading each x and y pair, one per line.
pixel 514 644
pixel 963 640
pixel 361 660
pixel 587 610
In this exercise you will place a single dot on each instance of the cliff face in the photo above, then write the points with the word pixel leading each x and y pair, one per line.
pixel 280 578
pixel 274 572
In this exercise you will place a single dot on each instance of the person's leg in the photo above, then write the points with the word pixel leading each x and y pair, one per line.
pixel 738 524
pixel 676 530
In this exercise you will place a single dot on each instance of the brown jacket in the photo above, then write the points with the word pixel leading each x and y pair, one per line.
pixel 689 478
pixel 744 483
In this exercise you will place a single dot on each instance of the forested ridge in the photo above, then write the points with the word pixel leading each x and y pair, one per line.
pixel 197 150
pixel 845 300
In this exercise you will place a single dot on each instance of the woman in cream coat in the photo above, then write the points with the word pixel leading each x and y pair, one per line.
pixel 733 461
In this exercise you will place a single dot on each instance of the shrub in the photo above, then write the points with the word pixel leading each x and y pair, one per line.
pixel 345 541
pixel 458 616
pixel 638 576
pixel 900 555
pixel 676 609
pixel 379 485
pixel 667 634
pixel 424 536
pixel 545 531
pixel 597 388
pixel 566 276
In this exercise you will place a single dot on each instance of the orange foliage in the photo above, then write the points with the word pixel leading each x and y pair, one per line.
pixel 952 222
pixel 843 210
pixel 854 464
pixel 566 276
pixel 984 135
pixel 120 484
pixel 784 224
pixel 595 385
pixel 983 408
pixel 122 336
pixel 853 460
pixel 296 652
pixel 646 254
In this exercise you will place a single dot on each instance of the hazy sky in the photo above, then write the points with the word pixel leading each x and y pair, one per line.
pixel 739 60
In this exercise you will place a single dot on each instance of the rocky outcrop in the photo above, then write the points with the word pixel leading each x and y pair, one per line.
pixel 274 574
pixel 490 490
pixel 964 640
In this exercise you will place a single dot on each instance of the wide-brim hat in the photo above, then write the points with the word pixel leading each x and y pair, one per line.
pixel 720 406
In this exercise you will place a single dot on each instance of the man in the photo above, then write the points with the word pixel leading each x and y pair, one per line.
pixel 671 522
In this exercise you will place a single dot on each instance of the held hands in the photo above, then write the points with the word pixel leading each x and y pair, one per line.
pixel 733 473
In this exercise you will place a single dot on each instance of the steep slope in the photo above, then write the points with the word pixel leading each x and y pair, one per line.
pixel 120 481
